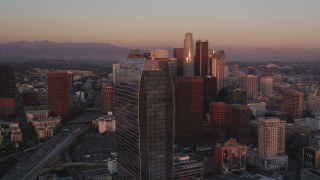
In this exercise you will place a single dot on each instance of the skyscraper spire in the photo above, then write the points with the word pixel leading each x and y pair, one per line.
pixel 188 55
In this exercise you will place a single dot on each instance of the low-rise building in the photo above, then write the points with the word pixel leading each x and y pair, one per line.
pixel 7 106
pixel 186 168
pixel 291 128
pixel 46 126
pixel 30 115
pixel 230 157
pixel 266 164
pixel 314 123
pixel 311 157
pixel 112 166
pixel 10 131
pixel 16 135
pixel 105 123
pixel 309 174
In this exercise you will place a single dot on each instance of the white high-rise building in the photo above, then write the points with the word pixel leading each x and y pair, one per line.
pixel 266 85
pixel 188 55
pixel 250 84
pixel 218 68
pixel 271 136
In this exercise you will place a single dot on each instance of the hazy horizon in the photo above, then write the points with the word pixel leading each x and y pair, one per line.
pixel 247 24
pixel 109 51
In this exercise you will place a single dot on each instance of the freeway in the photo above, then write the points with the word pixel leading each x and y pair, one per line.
pixel 29 166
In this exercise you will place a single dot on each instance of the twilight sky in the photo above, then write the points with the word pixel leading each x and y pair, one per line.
pixel 284 24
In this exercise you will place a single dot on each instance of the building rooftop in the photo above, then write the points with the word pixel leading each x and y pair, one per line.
pixel 106 118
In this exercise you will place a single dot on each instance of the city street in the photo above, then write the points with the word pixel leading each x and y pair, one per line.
pixel 28 166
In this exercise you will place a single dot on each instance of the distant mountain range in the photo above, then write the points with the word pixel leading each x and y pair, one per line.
pixel 24 50
pixel 51 50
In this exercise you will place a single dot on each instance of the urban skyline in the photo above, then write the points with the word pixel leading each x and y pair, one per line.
pixel 160 90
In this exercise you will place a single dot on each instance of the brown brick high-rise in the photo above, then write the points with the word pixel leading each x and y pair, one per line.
pixel 189 110
pixel 218 120
pixel 239 121
pixel 58 93
pixel 293 104
pixel 7 82
pixel 106 98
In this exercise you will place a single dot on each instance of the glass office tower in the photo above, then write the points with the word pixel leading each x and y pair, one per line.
pixel 144 109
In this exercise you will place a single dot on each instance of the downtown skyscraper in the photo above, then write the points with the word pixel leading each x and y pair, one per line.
pixel 293 104
pixel 189 110
pixel 201 64
pixel 271 137
pixel 7 82
pixel 58 92
pixel 218 65
pixel 188 55
pixel 266 85
pixel 7 91
pixel 249 83
pixel 106 98
pixel 144 110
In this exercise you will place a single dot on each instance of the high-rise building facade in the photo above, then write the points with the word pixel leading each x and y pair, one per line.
pixel 178 53
pixel 7 82
pixel 250 84
pixel 293 104
pixel 144 109
pixel 201 64
pixel 106 98
pixel 210 88
pixel 271 136
pixel 189 101
pixel 218 120
pixel 218 67
pixel 7 91
pixel 237 96
pixel 58 92
pixel 313 102
pixel 266 85
pixel 188 55
pixel 239 121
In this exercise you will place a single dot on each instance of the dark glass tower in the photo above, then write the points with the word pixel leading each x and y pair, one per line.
pixel 7 81
pixel 144 109
pixel 189 101
pixel 58 92
pixel 201 60
pixel 178 53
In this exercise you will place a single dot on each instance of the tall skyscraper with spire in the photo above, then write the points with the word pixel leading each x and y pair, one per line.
pixel 188 55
